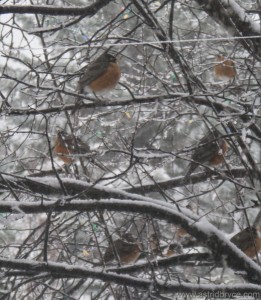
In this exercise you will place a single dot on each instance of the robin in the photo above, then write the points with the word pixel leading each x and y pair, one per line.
pixel 225 68
pixel 181 233
pixel 67 145
pixel 171 250
pixel 212 149
pixel 100 76
pixel 127 249
pixel 248 241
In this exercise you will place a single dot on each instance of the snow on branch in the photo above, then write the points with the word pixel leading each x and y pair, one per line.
pixel 235 19
pixel 63 270
pixel 54 10
pixel 49 185
pixel 197 226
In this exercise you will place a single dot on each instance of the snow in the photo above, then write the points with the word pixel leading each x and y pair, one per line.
pixel 242 15
pixel 194 224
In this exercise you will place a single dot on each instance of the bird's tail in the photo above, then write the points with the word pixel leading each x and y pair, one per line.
pixel 190 170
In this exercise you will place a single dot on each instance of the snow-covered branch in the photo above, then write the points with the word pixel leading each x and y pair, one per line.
pixel 63 270
pixel 236 20
pixel 49 185
pixel 198 227
pixel 54 10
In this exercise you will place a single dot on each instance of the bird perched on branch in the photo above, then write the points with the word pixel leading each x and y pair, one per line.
pixel 172 249
pixel 100 76
pixel 127 249
pixel 224 68
pixel 68 145
pixel 211 149
pixel 248 240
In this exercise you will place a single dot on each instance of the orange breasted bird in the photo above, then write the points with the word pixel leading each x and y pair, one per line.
pixel 127 249
pixel 67 145
pixel 211 149
pixel 248 240
pixel 224 68
pixel 100 76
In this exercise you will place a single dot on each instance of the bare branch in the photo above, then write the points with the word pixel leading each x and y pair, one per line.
pixel 235 19
pixel 54 10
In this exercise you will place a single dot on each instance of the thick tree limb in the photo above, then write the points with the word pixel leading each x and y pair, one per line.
pixel 194 178
pixel 62 270
pixel 138 100
pixel 166 262
pixel 49 186
pixel 55 10
pixel 200 228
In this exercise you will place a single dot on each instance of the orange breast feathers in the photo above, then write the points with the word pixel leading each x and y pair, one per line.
pixel 224 68
pixel 62 151
pixel 108 80
pixel 219 156
pixel 248 240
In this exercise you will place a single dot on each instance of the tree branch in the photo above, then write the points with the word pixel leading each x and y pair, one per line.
pixel 55 10
pixel 63 270
pixel 200 228
pixel 75 188
pixel 233 16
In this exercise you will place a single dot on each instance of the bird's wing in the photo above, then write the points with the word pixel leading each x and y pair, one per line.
pixel 109 255
pixel 82 147
pixel 242 239
pixel 76 145
pixel 126 248
pixel 93 71
pixel 205 153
